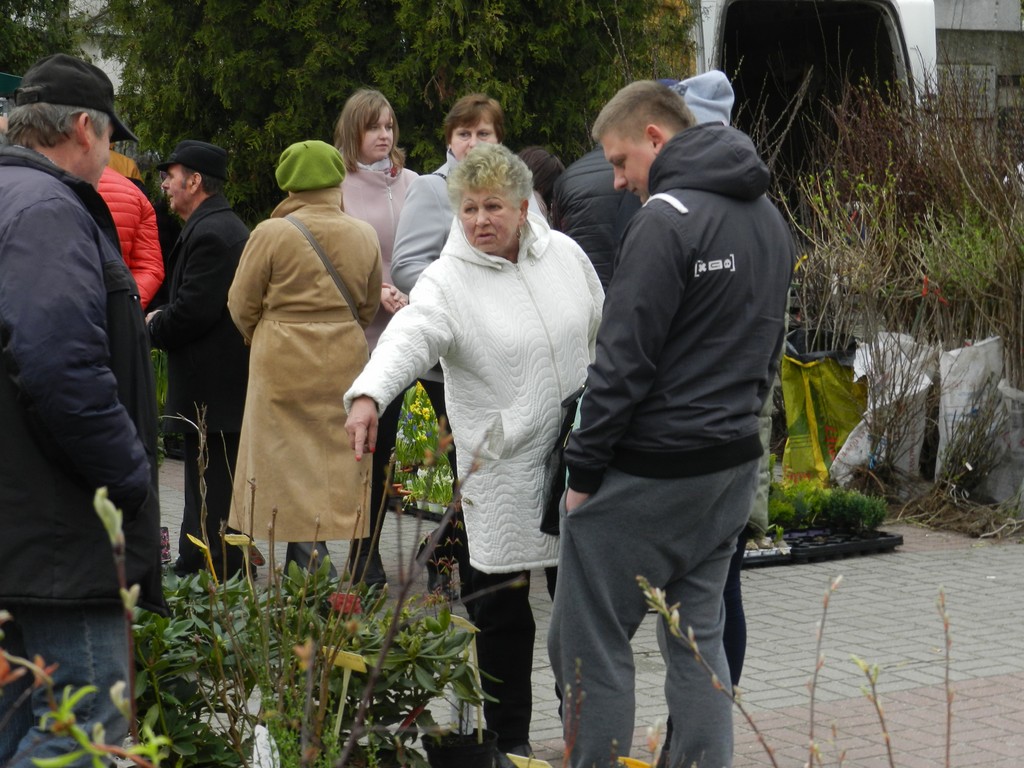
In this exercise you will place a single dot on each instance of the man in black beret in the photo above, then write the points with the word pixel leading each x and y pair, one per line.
pixel 77 409
pixel 207 360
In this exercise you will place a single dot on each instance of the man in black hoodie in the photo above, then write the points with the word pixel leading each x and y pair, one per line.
pixel 668 446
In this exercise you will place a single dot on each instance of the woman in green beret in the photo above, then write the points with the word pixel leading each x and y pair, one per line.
pixel 308 346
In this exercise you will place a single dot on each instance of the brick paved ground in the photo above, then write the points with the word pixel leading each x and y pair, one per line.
pixel 883 612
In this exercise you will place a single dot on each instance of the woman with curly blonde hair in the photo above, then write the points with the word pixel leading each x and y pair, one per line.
pixel 511 310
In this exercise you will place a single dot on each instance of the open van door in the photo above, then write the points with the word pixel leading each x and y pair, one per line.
pixel 789 59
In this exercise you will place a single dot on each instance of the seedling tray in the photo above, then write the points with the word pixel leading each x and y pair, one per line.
pixel 812 545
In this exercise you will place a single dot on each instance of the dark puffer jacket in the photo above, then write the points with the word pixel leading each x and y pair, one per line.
pixel 588 208
pixel 77 400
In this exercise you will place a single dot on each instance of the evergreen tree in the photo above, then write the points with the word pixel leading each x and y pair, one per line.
pixel 31 29
pixel 255 77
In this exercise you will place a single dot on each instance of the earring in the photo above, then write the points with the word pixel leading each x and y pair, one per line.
pixel 519 232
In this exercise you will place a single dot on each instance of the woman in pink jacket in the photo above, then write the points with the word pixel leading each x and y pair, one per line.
pixel 374 190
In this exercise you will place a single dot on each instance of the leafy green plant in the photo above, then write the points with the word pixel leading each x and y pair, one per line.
pixel 805 505
pixel 851 511
pixel 416 442
pixel 443 482
pixel 180 657
pixel 234 655
pixel 422 468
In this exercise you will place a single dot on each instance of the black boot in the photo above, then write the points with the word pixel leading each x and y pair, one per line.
pixel 365 565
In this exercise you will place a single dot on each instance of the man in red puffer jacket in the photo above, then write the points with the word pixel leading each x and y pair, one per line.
pixel 136 229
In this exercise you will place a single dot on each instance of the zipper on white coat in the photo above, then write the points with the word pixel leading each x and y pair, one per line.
pixel 544 325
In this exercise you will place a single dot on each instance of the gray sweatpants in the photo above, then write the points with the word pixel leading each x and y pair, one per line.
pixel 680 533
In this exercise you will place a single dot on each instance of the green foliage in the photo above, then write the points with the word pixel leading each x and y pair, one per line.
pixel 851 511
pixel 226 645
pixel 979 246
pixel 159 358
pixel 421 466
pixel 256 77
pixel 806 505
pixel 179 658
pixel 417 438
pixel 31 29
pixel 441 490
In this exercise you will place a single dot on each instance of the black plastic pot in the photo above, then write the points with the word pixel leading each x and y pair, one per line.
pixel 461 750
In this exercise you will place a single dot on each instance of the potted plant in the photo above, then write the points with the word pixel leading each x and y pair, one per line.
pixel 806 505
pixel 827 522
pixel 452 749
pixel 464 745
pixel 439 492
pixel 288 646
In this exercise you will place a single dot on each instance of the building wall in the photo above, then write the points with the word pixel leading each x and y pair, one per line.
pixel 113 68
pixel 992 15
pixel 992 61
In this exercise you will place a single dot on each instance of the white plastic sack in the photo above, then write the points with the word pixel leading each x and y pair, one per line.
pixel 899 372
pixel 1006 480
pixel 863 449
pixel 264 750
pixel 964 375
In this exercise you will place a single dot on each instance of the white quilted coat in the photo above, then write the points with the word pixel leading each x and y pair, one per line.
pixel 514 340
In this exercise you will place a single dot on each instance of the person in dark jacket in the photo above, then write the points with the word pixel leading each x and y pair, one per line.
pixel 207 359
pixel 78 410
pixel 588 208
pixel 668 445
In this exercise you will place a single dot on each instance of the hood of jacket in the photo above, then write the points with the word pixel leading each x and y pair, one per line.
pixel 329 197
pixel 536 235
pixel 712 158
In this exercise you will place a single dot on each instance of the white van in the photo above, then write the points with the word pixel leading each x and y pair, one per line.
pixel 789 59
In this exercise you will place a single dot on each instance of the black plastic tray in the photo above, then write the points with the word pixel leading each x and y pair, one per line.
pixel 808 546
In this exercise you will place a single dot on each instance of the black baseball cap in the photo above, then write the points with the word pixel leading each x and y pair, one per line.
pixel 66 80
pixel 208 159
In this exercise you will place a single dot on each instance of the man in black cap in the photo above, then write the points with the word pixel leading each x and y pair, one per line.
pixel 78 410
pixel 207 360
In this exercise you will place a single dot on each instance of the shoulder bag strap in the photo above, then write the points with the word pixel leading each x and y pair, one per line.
pixel 327 263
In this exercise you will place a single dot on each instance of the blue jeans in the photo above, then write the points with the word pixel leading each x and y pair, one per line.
pixel 90 645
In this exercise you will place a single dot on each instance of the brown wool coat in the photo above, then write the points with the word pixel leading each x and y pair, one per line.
pixel 306 351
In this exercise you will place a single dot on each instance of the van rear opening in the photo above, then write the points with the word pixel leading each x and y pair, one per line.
pixel 790 59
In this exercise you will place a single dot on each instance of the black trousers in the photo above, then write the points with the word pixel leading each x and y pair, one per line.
pixel 499 606
pixel 222 449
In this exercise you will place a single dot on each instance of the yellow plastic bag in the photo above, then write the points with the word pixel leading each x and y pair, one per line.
pixel 823 405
